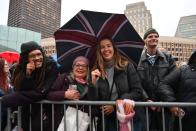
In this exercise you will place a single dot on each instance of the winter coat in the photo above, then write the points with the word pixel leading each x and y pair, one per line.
pixel 57 93
pixel 151 75
pixel 179 86
pixel 127 85
pixel 28 94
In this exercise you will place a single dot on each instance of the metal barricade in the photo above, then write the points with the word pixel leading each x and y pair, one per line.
pixel 65 104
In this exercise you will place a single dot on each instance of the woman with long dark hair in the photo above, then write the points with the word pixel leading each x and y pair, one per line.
pixel 5 88
pixel 32 79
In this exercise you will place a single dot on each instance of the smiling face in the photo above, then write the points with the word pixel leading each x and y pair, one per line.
pixel 6 67
pixel 80 69
pixel 37 57
pixel 107 49
pixel 152 40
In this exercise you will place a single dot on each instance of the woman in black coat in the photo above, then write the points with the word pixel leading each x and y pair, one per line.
pixel 180 86
pixel 114 77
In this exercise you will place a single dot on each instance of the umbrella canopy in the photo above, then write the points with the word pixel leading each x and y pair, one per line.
pixel 10 56
pixel 80 35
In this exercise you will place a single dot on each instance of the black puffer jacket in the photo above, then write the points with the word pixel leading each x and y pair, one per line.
pixel 28 92
pixel 127 84
pixel 180 85
pixel 152 75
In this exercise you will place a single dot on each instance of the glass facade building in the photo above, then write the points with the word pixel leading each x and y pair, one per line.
pixel 187 27
pixel 12 37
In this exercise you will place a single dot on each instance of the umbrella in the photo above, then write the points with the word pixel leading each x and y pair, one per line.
pixel 80 35
pixel 10 56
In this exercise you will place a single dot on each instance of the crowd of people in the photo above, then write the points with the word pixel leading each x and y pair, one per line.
pixel 113 77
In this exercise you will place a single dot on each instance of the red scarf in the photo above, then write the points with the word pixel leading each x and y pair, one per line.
pixel 81 81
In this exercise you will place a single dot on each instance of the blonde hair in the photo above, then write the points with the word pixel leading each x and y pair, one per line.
pixel 120 62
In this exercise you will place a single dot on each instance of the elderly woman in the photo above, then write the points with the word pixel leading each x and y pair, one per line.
pixel 73 86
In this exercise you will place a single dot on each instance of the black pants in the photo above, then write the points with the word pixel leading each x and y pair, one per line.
pixel 35 116
pixel 110 122
pixel 156 123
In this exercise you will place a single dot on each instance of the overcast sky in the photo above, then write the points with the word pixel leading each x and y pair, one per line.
pixel 165 13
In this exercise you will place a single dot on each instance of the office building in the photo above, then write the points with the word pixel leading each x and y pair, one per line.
pixel 41 16
pixel 11 38
pixel 180 48
pixel 49 46
pixel 139 16
pixel 187 27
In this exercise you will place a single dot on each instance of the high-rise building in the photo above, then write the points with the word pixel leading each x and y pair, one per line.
pixel 187 27
pixel 11 38
pixel 139 16
pixel 41 16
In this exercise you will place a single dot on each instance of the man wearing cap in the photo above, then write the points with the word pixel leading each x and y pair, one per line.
pixel 32 79
pixel 153 66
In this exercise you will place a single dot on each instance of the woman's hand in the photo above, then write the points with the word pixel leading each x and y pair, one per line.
pixel 176 111
pixel 30 68
pixel 95 75
pixel 72 94
pixel 108 109
pixel 128 108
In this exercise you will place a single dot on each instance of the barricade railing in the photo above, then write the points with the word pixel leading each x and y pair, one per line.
pixel 90 104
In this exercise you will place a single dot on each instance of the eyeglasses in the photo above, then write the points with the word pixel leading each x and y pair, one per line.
pixel 80 66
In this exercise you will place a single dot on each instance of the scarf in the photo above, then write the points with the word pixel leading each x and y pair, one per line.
pixel 151 59
pixel 124 117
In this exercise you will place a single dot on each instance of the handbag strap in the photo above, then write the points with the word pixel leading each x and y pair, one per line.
pixel 111 90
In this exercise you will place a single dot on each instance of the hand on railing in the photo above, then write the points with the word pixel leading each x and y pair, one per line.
pixel 108 109
pixel 176 111
pixel 154 108
pixel 125 113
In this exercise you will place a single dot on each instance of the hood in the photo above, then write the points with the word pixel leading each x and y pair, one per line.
pixel 192 59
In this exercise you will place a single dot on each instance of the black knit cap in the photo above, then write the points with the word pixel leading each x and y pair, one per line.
pixel 150 31
pixel 29 46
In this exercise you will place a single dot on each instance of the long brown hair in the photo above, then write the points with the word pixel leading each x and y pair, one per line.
pixel 120 62
pixel 3 76
pixel 20 71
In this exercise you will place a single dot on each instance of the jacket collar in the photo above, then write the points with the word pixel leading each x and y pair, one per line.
pixel 159 54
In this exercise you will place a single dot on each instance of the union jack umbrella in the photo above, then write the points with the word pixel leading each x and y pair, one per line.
pixel 80 35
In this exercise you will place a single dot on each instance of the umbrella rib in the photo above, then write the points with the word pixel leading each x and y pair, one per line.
pixel 104 24
pixel 69 30
pixel 76 42
pixel 118 29
pixel 71 51
pixel 85 23
pixel 130 45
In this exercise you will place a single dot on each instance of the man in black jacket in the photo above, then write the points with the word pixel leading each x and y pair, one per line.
pixel 179 86
pixel 153 66
pixel 32 79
